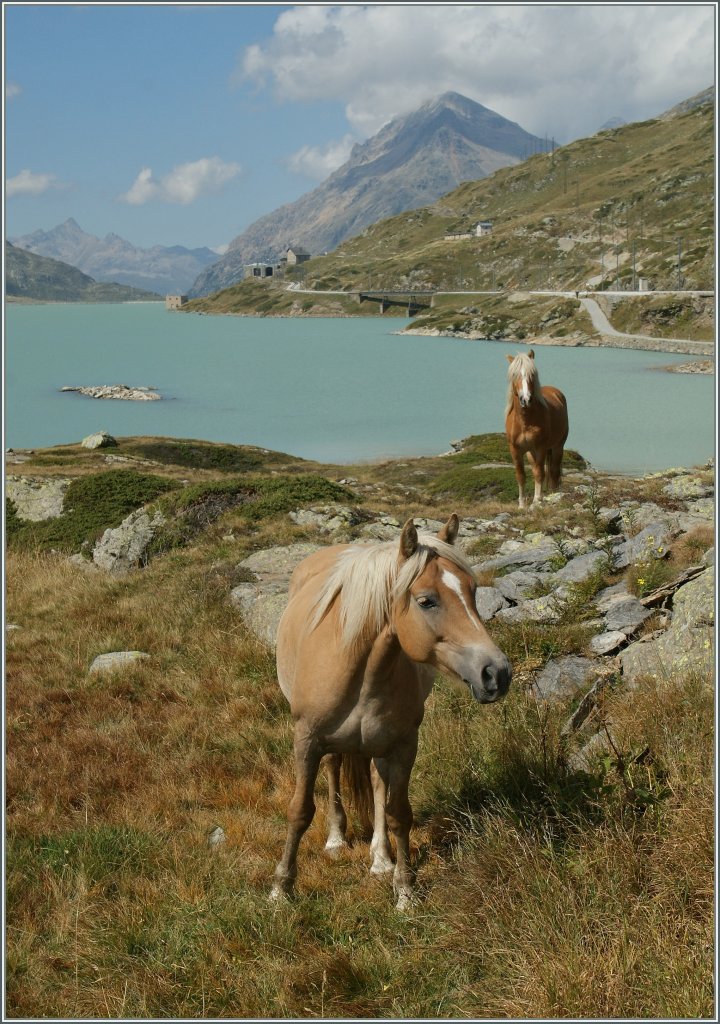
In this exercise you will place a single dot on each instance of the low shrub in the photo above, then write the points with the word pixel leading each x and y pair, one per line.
pixel 92 504
pixel 226 458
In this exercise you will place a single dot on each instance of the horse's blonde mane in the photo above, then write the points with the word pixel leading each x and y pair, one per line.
pixel 369 579
pixel 523 365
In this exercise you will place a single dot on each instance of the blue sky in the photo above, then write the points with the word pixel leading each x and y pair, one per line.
pixel 181 125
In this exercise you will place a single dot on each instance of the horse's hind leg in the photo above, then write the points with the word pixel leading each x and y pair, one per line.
pixel 337 819
pixel 555 458
pixel 301 811
pixel 380 846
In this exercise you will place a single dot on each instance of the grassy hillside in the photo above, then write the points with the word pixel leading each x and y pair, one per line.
pixel 628 203
pixel 542 887
pixel 559 220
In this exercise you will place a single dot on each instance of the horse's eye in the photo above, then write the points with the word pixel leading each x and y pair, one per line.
pixel 426 603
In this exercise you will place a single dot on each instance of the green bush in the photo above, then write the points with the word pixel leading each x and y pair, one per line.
pixel 92 504
pixel 283 493
pixel 474 484
pixel 226 458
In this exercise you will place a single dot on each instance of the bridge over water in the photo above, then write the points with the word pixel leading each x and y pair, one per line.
pixel 413 301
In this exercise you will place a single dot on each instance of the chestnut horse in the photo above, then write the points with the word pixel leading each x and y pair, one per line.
pixel 536 423
pixel 365 627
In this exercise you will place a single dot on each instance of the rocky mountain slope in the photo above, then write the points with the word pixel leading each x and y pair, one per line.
pixel 629 203
pixel 410 162
pixel 163 269
pixel 600 214
pixel 39 278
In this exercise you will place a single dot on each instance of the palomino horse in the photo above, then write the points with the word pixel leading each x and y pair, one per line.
pixel 536 422
pixel 364 628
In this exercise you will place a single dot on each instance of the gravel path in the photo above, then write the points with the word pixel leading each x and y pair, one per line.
pixel 603 325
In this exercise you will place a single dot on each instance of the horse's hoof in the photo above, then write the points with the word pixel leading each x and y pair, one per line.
pixel 279 895
pixel 334 850
pixel 382 863
pixel 405 902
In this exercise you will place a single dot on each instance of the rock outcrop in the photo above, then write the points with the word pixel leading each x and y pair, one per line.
pixel 687 645
pixel 37 498
pixel 121 392
pixel 262 600
pixel 99 440
pixel 124 548
pixel 116 661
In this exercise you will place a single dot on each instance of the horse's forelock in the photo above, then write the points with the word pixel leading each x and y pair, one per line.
pixel 522 365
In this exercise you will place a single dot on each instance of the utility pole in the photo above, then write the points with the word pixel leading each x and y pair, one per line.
pixel 679 273
pixel 634 279
pixel 602 254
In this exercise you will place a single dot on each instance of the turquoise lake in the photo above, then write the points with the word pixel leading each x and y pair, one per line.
pixel 335 390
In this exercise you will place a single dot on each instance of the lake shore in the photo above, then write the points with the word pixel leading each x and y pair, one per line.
pixel 331 390
pixel 700 348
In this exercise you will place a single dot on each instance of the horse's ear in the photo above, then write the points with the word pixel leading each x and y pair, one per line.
pixel 408 539
pixel 450 530
pixel 509 358
pixel 531 353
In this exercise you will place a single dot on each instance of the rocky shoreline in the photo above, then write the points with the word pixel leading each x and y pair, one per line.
pixel 698 366
pixel 694 348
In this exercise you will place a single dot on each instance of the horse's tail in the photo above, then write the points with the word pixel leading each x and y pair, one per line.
pixel 356 773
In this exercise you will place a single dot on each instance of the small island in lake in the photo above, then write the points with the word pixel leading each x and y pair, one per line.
pixel 119 391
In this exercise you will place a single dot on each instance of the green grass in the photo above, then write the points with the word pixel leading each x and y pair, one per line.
pixel 470 484
pixel 465 477
pixel 92 504
pixel 201 455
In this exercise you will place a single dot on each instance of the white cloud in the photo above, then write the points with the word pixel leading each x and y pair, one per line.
pixel 28 183
pixel 184 184
pixel 561 69
pixel 320 161
pixel 12 89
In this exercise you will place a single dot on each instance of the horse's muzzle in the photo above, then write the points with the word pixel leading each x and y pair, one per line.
pixel 493 682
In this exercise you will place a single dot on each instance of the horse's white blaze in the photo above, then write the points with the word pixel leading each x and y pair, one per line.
pixel 453 583
pixel 525 389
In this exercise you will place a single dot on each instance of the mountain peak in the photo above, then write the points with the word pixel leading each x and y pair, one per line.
pixel 456 101
pixel 412 161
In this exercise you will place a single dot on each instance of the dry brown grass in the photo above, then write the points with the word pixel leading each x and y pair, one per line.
pixel 541 889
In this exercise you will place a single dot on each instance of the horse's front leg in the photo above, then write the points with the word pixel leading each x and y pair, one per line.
pixel 537 465
pixel 337 819
pixel 518 458
pixel 379 847
pixel 395 774
pixel 301 811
